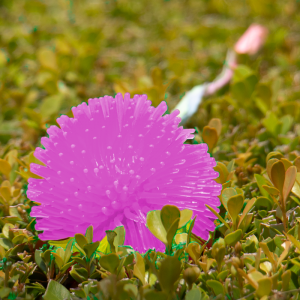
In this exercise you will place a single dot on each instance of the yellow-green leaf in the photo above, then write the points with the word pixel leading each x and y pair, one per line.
pixel 156 226
pixel 58 260
pixel 168 214
pixel 139 268
pixel 246 210
pixel 264 287
pixel 227 194
pixel 81 240
pixel 171 232
pixel 185 216
pixel 110 262
pixel 216 286
pixel 234 206
pixel 271 190
pixel 286 278
pixel 232 238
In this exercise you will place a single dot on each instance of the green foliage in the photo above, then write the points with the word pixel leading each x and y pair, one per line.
pixel 56 54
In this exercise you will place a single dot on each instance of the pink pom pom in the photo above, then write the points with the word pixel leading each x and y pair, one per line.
pixel 111 164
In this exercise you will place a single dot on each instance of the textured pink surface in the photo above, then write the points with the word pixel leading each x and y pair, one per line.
pixel 111 164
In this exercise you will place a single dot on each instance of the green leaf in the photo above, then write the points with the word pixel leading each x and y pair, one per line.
pixel 77 276
pixel 234 206
pixel 260 182
pixel 264 287
pixel 286 278
pixel 89 234
pixel 58 260
pixel 36 286
pixel 110 262
pixel 91 248
pixel 264 92
pixel 195 294
pixel 168 214
pixel 6 243
pixel 169 273
pixel 4 292
pixel 56 291
pixel 241 72
pixel 191 274
pixel 81 240
pixel 287 123
pixel 219 255
pixel 19 239
pixel 190 230
pixel 261 105
pixel 155 225
pixel 216 286
pixel 155 295
pixel 46 256
pixel 226 195
pixel 66 266
pixel 13 211
pixel 222 275
pixel 68 251
pixel 120 238
pixel 62 243
pixel 194 250
pixel 104 246
pixel 129 259
pixel 217 215
pixel 263 202
pixel 272 124
pixel 171 232
pixel 246 210
pixel 251 244
pixel 51 105
pixel 80 260
pixel 39 261
pixel 139 268
pixel 232 238
pixel 230 165
pixel 110 239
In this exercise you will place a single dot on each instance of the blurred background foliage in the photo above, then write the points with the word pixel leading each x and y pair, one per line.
pixel 56 54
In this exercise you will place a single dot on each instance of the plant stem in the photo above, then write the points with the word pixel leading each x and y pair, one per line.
pixel 284 218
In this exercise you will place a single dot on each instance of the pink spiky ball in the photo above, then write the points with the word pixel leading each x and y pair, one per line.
pixel 111 164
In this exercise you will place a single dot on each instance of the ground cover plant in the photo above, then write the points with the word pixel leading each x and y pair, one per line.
pixel 57 54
